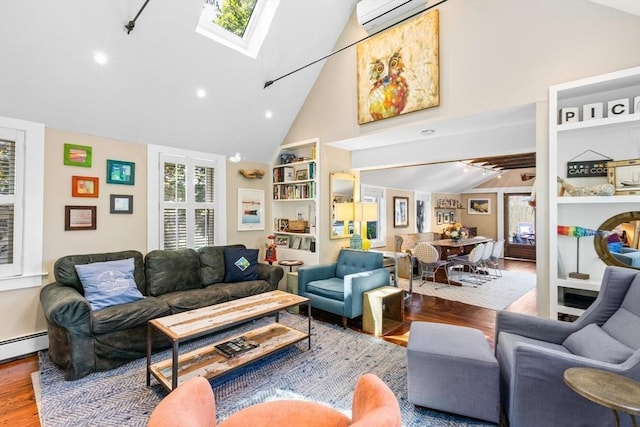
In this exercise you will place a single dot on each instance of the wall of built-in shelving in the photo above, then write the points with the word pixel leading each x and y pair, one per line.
pixel 614 135
pixel 295 201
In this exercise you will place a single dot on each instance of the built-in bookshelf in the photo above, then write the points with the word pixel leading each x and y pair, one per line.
pixel 575 134
pixel 295 201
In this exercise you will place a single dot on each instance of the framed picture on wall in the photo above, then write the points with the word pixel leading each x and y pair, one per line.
pixel 400 212
pixel 478 206
pixel 121 204
pixel 250 209
pixel 445 217
pixel 119 172
pixel 79 218
pixel 77 155
pixel 439 218
pixel 84 186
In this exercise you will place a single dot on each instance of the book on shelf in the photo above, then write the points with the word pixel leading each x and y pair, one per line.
pixel 236 346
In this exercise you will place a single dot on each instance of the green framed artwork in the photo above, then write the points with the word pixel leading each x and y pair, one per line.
pixel 77 155
pixel 119 172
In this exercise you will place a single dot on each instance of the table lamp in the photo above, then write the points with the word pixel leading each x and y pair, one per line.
pixel 365 212
pixel 344 212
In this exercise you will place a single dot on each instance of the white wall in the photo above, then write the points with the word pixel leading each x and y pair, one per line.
pixel 494 54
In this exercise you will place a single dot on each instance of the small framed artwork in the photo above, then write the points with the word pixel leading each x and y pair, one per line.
pixel 77 155
pixel 250 209
pixel 477 206
pixel 297 241
pixel 306 244
pixel 624 175
pixel 119 172
pixel 400 212
pixel 439 218
pixel 282 241
pixel 84 186
pixel 445 218
pixel 121 204
pixel 289 174
pixel 79 218
pixel 452 217
pixel 301 175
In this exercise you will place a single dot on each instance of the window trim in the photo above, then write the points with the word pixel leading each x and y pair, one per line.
pixel 31 204
pixel 154 179
pixel 254 35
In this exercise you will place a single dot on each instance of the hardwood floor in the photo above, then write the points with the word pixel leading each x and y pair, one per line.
pixel 17 399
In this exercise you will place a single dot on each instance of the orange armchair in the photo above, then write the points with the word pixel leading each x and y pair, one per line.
pixel 193 404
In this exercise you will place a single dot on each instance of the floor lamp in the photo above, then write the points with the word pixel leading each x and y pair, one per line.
pixel 365 212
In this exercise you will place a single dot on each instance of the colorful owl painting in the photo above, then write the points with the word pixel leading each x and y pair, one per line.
pixel 398 69
pixel 389 92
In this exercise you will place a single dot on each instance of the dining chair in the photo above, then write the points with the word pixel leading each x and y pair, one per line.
pixel 486 256
pixel 429 260
pixel 494 259
pixel 473 261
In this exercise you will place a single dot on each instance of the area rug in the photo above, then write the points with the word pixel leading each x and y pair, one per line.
pixel 495 294
pixel 327 373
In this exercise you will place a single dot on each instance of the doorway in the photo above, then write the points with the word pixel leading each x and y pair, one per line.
pixel 519 227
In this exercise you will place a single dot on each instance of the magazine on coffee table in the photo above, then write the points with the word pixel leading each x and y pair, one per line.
pixel 236 346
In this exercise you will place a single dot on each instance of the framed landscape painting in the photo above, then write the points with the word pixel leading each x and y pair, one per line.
pixel 77 155
pixel 250 209
pixel 398 69
pixel 477 206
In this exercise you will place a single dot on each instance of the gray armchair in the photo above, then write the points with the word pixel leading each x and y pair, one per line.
pixel 338 287
pixel 533 354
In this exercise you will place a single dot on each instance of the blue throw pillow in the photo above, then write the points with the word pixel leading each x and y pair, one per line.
pixel 108 283
pixel 240 264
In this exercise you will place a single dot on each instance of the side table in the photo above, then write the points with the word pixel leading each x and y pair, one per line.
pixel 383 310
pixel 608 389
pixel 290 263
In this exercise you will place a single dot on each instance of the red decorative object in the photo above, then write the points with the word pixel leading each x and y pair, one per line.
pixel 270 254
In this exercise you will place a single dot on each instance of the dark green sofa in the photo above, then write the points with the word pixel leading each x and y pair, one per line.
pixel 82 341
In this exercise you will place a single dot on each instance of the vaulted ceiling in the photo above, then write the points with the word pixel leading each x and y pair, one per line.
pixel 146 93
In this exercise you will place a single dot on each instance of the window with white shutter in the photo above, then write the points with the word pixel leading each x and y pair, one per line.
pixel 188 199
pixel 21 203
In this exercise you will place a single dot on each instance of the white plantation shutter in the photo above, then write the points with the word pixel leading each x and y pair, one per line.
pixel 7 199
pixel 188 202
pixel 21 203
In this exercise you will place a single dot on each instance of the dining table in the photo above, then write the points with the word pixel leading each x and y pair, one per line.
pixel 450 247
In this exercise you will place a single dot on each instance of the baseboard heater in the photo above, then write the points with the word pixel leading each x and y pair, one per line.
pixel 21 346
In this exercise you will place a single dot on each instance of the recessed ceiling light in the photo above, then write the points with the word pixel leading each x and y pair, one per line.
pixel 268 114
pixel 428 132
pixel 100 57
pixel 201 93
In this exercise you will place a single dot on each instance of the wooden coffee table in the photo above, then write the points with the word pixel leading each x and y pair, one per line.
pixel 206 361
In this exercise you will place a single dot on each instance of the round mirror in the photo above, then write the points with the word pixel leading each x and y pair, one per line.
pixel 621 247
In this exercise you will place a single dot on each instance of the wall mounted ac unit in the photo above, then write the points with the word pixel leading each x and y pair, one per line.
pixel 375 15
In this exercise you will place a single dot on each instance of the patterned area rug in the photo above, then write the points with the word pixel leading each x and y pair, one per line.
pixel 327 373
pixel 495 294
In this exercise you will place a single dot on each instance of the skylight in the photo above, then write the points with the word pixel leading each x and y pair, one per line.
pixel 239 24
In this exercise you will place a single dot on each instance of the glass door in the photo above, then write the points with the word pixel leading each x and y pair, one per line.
pixel 520 227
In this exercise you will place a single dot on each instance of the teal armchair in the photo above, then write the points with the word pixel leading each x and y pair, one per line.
pixel 338 287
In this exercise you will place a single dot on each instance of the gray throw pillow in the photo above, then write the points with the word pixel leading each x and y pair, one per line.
pixel 594 343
